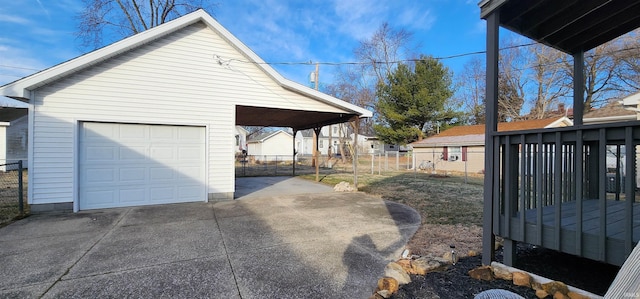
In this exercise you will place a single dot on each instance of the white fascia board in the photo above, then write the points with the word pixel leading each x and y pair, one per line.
pixel 631 100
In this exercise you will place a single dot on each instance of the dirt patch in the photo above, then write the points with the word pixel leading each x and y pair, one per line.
pixel 451 211
pixel 455 283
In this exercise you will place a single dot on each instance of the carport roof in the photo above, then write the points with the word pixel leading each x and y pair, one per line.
pixel 570 26
pixel 297 119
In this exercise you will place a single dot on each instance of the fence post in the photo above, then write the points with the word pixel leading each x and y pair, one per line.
pixel 373 156
pixel 20 195
pixel 386 161
pixel 398 161
pixel 379 163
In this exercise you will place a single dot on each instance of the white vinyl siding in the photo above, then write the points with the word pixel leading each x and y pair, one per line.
pixel 173 80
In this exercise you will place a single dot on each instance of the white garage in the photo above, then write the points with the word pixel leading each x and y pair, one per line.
pixel 137 164
pixel 151 119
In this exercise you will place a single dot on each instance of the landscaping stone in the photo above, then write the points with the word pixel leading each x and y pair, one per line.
pixel 482 273
pixel 560 295
pixel 343 187
pixel 406 265
pixel 388 283
pixel 384 294
pixel 397 272
pixel 522 279
pixel 424 265
pixel 554 287
pixel 541 294
pixel 502 273
pixel 574 295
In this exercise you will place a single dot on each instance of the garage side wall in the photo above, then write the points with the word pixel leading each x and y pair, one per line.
pixel 174 80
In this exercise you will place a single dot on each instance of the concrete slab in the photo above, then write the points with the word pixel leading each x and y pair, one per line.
pixel 251 187
pixel 139 246
pixel 310 243
pixel 197 278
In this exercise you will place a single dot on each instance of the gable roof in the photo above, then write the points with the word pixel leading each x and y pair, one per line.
pixel 474 134
pixel 614 111
pixel 262 137
pixel 21 89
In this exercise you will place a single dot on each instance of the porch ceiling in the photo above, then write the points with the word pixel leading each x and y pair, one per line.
pixel 567 25
pixel 297 119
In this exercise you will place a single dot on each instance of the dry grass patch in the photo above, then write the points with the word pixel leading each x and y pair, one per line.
pixel 451 209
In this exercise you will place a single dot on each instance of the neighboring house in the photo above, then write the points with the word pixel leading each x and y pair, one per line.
pixel 150 119
pixel 328 139
pixel 271 146
pixel 614 111
pixel 461 148
pixel 241 139
pixel 549 187
pixel 13 137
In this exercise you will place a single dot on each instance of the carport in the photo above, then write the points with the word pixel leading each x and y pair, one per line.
pixel 299 120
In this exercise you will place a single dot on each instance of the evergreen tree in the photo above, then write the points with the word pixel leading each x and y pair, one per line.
pixel 414 97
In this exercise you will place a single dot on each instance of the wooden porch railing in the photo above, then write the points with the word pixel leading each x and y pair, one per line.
pixel 570 189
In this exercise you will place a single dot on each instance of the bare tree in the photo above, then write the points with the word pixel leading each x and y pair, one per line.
pixel 512 82
pixel 377 57
pixel 548 79
pixel 471 85
pixel 115 19
pixel 383 50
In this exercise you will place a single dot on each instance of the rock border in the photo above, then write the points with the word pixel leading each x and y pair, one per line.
pixel 544 287
pixel 396 273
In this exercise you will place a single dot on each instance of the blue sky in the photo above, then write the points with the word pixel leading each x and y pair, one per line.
pixel 37 34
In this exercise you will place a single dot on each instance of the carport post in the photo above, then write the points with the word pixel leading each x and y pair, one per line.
pixel 295 131
pixel 355 124
pixel 315 152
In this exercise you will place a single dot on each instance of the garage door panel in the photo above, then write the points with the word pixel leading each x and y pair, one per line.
pixel 99 175
pixel 101 153
pixel 132 175
pixel 135 164
pixel 161 174
pixel 133 195
pixel 100 198
pixel 188 134
pixel 161 154
pixel 131 131
pixel 163 194
pixel 188 192
pixel 132 153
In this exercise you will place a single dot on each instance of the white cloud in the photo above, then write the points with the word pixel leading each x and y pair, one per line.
pixel 4 18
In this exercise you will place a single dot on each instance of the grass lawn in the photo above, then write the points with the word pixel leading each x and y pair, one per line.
pixel 451 208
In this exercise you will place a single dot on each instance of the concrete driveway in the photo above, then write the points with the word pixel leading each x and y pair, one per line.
pixel 286 245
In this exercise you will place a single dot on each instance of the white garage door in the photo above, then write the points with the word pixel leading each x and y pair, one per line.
pixel 134 164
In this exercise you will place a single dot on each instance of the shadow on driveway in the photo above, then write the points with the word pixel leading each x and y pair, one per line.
pixel 319 245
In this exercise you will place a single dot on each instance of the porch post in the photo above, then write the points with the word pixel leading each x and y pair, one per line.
pixel 295 131
pixel 578 88
pixel 491 125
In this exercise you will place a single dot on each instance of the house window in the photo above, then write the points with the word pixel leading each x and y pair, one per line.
pixel 453 153
pixel 321 144
pixel 237 140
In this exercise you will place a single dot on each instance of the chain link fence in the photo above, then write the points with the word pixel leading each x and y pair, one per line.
pixel 272 165
pixel 13 178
